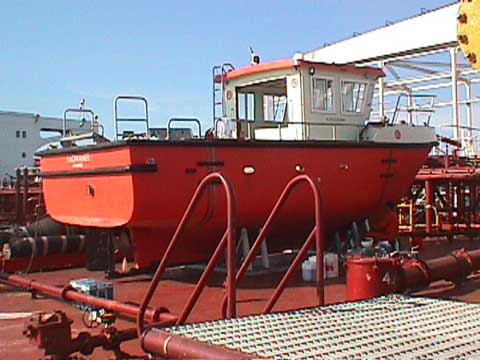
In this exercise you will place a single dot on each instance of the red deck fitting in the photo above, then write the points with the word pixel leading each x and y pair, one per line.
pixel 68 294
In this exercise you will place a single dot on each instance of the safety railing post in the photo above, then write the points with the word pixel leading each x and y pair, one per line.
pixel 184 120
pixel 77 111
pixel 228 242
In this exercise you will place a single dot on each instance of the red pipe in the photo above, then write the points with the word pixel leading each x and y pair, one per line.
pixel 472 204
pixel 52 332
pixel 289 273
pixel 475 202
pixel 171 346
pixel 365 278
pixel 416 274
pixel 449 141
pixel 85 343
pixel 449 201
pixel 202 281
pixel 230 244
pixel 448 176
pixel 451 170
pixel 19 216
pixel 429 205
pixel 316 233
pixel 25 193
pixel 129 310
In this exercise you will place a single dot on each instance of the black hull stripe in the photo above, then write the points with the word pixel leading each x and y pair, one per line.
pixel 136 168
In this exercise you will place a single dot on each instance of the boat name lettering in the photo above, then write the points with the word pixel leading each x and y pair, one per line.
pixel 71 159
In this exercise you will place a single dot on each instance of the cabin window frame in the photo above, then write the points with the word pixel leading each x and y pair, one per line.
pixel 249 106
pixel 285 109
pixel 334 92
pixel 365 95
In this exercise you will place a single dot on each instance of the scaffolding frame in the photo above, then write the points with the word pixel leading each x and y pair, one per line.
pixel 404 50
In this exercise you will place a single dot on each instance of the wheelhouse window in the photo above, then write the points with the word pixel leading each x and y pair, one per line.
pixel 246 106
pixel 322 95
pixel 353 96
pixel 274 107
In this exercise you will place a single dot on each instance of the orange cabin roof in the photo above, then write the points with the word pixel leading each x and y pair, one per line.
pixel 290 63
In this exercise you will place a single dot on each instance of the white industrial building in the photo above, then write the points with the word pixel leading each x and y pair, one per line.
pixel 22 134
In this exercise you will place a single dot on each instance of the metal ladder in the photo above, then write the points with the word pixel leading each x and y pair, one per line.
pixel 218 77
pixel 117 119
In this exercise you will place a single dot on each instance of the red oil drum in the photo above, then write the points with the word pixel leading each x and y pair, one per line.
pixel 368 277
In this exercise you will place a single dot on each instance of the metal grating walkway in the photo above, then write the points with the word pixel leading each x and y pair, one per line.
pixel 388 327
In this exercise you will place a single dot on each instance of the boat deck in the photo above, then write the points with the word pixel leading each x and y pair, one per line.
pixel 177 286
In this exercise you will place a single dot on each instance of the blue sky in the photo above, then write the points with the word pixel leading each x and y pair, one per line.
pixel 53 53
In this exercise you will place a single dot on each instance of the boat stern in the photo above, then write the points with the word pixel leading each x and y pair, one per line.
pixel 78 185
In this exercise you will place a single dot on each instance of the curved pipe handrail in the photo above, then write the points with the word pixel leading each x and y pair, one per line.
pixel 176 119
pixel 228 241
pixel 316 234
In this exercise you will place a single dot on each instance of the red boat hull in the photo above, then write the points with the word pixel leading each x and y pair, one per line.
pixel 146 187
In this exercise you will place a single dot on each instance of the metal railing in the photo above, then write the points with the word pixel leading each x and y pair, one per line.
pixel 280 125
pixel 316 236
pixel 117 119
pixel 77 111
pixel 185 120
pixel 227 241
pixel 93 122
pixel 413 108
pixel 95 126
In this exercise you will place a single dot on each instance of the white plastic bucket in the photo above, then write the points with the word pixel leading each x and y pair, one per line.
pixel 330 265
pixel 307 270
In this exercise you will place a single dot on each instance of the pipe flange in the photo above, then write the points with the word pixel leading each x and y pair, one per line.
pixel 418 265
pixel 465 262
pixel 422 265
pixel 158 311
pixel 64 292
